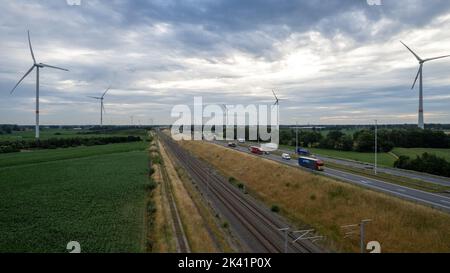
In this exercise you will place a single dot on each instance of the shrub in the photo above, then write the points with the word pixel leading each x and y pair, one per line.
pixel 275 208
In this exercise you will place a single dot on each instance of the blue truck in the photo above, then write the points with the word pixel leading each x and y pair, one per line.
pixel 311 163
pixel 303 151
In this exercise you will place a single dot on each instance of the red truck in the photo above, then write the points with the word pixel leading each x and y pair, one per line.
pixel 256 150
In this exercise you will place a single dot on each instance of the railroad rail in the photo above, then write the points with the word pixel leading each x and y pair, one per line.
pixel 182 242
pixel 260 227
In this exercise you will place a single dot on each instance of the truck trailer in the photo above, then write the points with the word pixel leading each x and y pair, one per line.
pixel 311 163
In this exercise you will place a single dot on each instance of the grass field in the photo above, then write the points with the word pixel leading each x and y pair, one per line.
pixel 68 133
pixel 384 159
pixel 93 195
pixel 310 200
pixel 39 156
pixel 413 152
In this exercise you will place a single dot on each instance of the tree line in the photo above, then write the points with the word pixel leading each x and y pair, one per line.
pixel 364 140
pixel 427 163
pixel 12 146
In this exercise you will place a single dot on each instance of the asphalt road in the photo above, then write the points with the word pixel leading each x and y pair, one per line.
pixel 412 175
pixel 434 200
pixel 439 180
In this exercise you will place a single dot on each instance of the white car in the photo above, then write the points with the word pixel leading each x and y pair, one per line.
pixel 286 156
pixel 241 140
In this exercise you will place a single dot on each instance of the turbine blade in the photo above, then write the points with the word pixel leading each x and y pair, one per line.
pixel 103 108
pixel 417 76
pixel 26 74
pixel 94 97
pixel 106 91
pixel 273 91
pixel 410 50
pixel 51 66
pixel 431 59
pixel 31 48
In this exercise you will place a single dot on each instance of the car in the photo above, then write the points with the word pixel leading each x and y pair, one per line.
pixel 232 144
pixel 241 140
pixel 286 156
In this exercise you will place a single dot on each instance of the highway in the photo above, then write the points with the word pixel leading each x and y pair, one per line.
pixel 434 200
pixel 439 180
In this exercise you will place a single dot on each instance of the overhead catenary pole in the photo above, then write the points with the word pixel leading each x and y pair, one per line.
pixel 362 234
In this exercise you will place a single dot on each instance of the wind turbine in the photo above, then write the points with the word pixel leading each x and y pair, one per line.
pixel 37 66
pixel 102 106
pixel 420 73
pixel 277 103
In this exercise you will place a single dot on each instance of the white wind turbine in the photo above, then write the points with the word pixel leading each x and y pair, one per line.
pixel 37 66
pixel 420 73
pixel 102 106
pixel 277 104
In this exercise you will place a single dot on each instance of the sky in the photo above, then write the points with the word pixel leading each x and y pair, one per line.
pixel 331 61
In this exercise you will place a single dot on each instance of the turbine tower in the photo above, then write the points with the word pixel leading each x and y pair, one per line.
pixel 37 66
pixel 420 76
pixel 102 106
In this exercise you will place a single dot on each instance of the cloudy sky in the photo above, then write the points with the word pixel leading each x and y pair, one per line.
pixel 333 62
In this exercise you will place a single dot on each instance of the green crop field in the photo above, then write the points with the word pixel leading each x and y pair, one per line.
pixel 413 152
pixel 93 195
pixel 69 133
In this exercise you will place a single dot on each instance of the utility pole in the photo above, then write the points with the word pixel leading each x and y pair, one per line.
pixel 376 147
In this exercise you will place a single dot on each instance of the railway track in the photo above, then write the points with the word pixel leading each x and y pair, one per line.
pixel 258 226
pixel 182 242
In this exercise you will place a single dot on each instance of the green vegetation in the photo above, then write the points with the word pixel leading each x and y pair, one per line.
pixel 15 146
pixel 427 163
pixel 40 156
pixel 399 180
pixel 93 195
pixel 46 133
pixel 384 159
pixel 414 152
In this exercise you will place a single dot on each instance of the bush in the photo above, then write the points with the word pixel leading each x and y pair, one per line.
pixel 275 208
pixel 427 163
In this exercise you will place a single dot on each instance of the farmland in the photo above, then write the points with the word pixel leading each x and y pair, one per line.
pixel 69 133
pixel 94 195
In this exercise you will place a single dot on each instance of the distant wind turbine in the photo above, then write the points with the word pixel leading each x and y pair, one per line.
pixel 420 73
pixel 37 66
pixel 277 103
pixel 102 106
